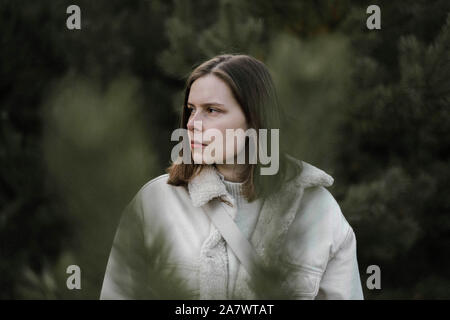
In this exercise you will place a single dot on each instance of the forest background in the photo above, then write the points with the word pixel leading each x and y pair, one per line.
pixel 86 117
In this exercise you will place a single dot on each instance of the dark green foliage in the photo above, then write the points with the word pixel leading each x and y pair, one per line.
pixel 395 160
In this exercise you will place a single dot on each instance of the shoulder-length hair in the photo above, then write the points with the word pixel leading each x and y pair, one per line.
pixel 252 87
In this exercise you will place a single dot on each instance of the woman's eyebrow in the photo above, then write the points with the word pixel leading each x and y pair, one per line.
pixel 208 104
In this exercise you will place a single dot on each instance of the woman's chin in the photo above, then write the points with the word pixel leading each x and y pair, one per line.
pixel 198 159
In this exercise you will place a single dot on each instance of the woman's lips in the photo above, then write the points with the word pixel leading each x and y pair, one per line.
pixel 198 145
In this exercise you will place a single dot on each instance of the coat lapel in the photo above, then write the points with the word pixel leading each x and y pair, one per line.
pixel 206 186
pixel 276 215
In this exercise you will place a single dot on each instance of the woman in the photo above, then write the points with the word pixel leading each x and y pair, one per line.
pixel 288 217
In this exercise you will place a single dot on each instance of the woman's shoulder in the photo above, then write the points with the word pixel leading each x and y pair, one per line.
pixel 160 183
pixel 319 211
pixel 320 208
pixel 155 183
pixel 157 189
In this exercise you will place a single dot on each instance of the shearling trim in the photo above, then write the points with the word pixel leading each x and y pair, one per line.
pixel 206 186
pixel 312 176
pixel 213 263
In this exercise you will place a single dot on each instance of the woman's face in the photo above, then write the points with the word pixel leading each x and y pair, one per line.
pixel 212 102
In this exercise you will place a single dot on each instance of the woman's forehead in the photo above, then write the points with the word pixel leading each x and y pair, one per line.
pixel 208 89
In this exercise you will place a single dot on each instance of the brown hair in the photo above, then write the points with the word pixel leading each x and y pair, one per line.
pixel 252 87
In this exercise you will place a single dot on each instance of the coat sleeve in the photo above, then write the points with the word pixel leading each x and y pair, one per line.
pixel 341 278
pixel 125 271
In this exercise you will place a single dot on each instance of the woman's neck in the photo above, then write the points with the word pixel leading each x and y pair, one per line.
pixel 233 172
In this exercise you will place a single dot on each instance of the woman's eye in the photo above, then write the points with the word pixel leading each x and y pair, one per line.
pixel 208 110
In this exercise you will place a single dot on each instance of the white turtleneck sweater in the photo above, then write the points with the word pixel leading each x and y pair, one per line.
pixel 246 218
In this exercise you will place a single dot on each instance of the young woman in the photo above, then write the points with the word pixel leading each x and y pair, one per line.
pixel 287 215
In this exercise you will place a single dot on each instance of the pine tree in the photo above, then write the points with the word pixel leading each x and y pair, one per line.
pixel 396 162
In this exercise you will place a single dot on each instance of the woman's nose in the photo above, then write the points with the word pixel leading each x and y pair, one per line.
pixel 194 121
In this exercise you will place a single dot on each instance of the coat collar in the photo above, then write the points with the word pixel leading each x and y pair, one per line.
pixel 208 185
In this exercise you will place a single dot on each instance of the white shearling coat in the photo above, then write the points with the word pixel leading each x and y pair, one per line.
pixel 306 221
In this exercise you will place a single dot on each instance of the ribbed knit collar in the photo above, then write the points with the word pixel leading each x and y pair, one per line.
pixel 235 189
